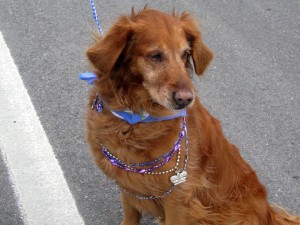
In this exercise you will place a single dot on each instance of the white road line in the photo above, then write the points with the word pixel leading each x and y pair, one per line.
pixel 39 183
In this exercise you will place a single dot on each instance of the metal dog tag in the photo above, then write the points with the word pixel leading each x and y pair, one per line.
pixel 179 178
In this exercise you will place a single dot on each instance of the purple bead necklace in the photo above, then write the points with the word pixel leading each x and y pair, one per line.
pixel 140 167
pixel 179 177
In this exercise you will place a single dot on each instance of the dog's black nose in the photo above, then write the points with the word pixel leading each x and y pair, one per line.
pixel 182 98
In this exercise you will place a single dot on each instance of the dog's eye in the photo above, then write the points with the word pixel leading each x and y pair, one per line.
pixel 186 54
pixel 157 56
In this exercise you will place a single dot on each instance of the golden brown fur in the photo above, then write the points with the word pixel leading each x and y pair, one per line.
pixel 221 188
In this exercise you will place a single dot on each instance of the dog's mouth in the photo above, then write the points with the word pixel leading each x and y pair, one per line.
pixel 179 107
pixel 158 109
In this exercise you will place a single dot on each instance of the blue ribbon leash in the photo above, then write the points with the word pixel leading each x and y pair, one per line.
pixel 96 17
pixel 88 76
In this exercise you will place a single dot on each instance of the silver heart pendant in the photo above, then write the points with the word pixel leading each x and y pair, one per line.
pixel 179 178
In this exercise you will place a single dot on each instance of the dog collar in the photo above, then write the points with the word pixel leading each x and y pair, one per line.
pixel 127 115
pixel 133 118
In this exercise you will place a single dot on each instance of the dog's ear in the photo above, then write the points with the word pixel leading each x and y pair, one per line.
pixel 201 54
pixel 105 52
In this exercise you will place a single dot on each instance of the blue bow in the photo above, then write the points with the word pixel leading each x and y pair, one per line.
pixel 88 77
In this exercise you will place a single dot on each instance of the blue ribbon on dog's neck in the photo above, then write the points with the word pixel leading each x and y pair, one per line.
pixel 127 115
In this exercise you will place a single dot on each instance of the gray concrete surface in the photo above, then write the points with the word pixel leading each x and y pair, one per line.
pixel 252 87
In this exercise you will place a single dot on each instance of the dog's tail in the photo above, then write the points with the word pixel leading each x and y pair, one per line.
pixel 282 217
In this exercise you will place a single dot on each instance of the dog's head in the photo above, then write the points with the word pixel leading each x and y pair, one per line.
pixel 155 52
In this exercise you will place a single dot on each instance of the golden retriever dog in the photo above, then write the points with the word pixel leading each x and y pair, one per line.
pixel 179 168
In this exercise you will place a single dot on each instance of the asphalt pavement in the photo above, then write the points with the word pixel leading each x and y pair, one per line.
pixel 252 86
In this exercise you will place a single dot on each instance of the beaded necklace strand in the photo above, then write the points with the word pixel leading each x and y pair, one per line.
pixel 179 177
pixel 161 160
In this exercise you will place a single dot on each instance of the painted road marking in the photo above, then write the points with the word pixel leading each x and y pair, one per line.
pixel 41 189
